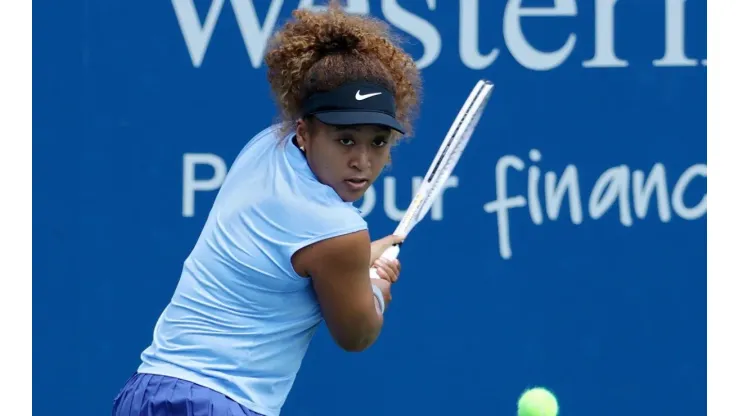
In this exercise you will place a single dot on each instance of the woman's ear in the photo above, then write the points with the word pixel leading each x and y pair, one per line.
pixel 301 133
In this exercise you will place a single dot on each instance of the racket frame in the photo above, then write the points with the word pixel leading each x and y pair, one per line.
pixel 443 164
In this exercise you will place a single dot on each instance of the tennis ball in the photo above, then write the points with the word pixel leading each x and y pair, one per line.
pixel 537 401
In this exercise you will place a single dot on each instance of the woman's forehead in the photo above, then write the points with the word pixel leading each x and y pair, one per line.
pixel 362 129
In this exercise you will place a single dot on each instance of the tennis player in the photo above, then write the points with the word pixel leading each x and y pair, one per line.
pixel 283 247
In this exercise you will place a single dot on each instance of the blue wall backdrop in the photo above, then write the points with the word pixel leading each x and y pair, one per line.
pixel 569 249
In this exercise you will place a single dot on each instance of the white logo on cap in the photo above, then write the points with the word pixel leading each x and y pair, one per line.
pixel 360 97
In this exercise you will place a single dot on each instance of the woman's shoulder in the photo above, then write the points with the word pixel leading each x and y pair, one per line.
pixel 314 212
pixel 270 134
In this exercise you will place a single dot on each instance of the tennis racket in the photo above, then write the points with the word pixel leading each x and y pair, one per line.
pixel 443 164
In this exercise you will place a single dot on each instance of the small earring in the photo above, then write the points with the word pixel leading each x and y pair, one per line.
pixel 302 149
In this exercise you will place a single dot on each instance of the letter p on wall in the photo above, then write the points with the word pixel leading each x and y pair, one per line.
pixel 191 184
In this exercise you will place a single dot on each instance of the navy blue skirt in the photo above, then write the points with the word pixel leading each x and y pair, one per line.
pixel 152 395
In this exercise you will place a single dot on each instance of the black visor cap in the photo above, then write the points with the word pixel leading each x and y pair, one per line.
pixel 354 103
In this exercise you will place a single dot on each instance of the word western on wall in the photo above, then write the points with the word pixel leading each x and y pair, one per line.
pixel 198 33
pixel 631 191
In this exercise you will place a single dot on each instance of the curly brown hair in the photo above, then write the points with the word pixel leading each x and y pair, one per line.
pixel 318 51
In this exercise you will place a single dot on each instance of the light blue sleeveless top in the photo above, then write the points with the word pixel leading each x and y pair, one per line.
pixel 241 319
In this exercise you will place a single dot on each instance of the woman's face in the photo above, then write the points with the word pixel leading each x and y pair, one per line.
pixel 347 158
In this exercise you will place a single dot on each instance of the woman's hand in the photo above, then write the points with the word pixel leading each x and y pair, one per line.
pixel 388 269
pixel 377 247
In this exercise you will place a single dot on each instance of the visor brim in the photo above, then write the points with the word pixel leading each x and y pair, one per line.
pixel 353 118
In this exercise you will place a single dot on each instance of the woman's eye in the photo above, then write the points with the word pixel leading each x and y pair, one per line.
pixel 380 143
pixel 346 142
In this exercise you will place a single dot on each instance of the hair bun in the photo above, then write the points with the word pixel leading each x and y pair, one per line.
pixel 336 43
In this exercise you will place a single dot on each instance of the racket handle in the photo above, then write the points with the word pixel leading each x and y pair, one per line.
pixel 391 253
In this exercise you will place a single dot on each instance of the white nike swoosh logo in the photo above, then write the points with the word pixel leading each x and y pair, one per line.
pixel 360 97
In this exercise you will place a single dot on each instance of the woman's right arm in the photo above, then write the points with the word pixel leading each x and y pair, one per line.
pixel 339 270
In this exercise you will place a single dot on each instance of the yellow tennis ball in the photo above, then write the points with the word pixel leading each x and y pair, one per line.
pixel 537 401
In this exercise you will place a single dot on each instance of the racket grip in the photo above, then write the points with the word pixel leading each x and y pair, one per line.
pixel 391 253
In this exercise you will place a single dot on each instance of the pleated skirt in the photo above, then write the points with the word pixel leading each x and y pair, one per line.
pixel 154 395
